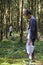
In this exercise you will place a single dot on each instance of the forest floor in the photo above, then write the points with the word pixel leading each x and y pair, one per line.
pixel 13 52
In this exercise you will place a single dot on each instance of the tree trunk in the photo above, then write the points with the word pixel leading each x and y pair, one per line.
pixel 1 19
pixel 17 17
pixel 21 32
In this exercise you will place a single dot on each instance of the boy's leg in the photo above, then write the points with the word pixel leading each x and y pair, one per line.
pixel 33 55
pixel 10 33
pixel 33 51
pixel 30 56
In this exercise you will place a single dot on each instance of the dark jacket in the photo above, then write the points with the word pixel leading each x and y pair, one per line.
pixel 33 28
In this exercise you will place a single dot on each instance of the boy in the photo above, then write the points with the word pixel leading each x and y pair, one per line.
pixel 29 46
pixel 32 27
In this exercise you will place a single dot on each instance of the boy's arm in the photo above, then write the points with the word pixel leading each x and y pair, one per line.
pixel 32 29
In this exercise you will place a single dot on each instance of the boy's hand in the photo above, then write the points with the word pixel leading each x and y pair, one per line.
pixel 30 42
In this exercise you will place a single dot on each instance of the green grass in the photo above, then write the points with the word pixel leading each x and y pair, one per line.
pixel 12 52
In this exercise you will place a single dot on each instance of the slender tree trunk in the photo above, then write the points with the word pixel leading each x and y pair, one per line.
pixel 21 33
pixel 28 5
pixel 6 20
pixel 1 19
pixel 9 8
pixel 31 5
pixel 18 17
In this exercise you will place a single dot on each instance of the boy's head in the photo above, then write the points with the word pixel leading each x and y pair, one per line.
pixel 27 14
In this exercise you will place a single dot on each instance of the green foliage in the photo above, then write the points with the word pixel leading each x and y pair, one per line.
pixel 13 52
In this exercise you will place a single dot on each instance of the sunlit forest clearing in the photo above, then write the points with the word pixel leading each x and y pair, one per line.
pixel 13 48
pixel 13 52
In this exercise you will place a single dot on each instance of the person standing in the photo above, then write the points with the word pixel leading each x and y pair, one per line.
pixel 10 30
pixel 32 27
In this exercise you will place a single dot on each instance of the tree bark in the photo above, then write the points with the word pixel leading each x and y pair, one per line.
pixel 1 19
pixel 17 17
pixel 21 32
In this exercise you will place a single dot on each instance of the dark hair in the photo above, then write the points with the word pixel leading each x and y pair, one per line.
pixel 27 12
